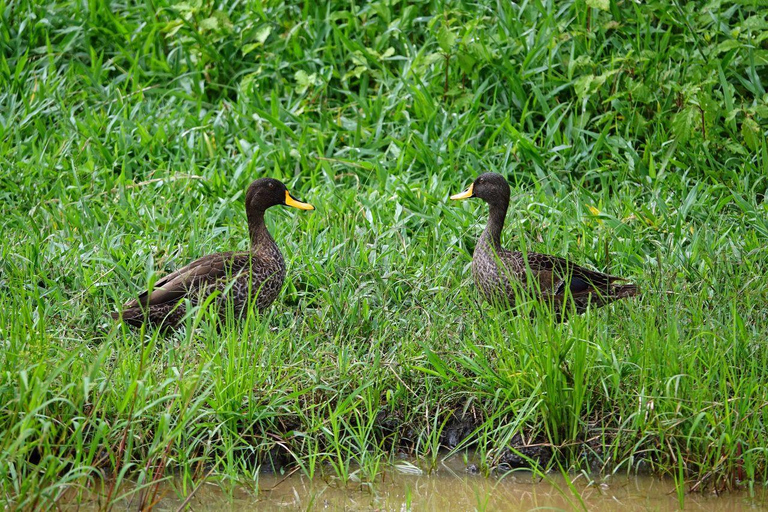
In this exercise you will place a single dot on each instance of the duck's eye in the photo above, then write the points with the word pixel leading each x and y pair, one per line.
pixel 271 185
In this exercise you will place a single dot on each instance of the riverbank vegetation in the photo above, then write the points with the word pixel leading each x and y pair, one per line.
pixel 633 135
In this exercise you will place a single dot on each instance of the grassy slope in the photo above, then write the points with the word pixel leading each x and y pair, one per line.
pixel 635 142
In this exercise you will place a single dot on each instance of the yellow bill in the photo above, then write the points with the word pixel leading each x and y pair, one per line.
pixel 464 195
pixel 290 201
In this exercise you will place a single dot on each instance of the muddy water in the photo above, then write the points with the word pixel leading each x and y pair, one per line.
pixel 448 488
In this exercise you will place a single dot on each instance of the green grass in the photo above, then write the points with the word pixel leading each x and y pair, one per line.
pixel 635 141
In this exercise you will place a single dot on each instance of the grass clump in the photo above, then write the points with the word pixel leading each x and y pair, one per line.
pixel 635 140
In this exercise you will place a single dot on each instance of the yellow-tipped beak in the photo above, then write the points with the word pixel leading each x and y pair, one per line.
pixel 464 195
pixel 297 204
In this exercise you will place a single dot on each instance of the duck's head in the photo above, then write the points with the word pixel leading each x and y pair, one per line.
pixel 490 187
pixel 266 192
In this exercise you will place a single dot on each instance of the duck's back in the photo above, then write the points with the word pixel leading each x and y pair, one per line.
pixel 501 275
pixel 237 276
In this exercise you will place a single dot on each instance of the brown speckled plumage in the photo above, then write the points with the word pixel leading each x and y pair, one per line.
pixel 501 275
pixel 238 276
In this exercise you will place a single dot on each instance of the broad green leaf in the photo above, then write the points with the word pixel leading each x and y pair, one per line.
pixel 247 81
pixel 710 107
pixel 225 24
pixel 248 48
pixel 446 38
pixel 263 33
pixel 735 147
pixel 603 5
pixel 751 132
pixel 684 123
pixel 261 36
pixel 210 23
pixel 217 22
pixel 582 85
pixel 762 110
pixel 173 27
pixel 301 77
pixel 640 92
pixel 582 61
pixel 732 114
pixel 358 58
pixel 423 62
pixel 356 72
pixel 304 81
pixel 467 62
pixel 463 101
pixel 756 22
pixel 383 10
pixel 587 85
pixel 728 45
pixel 187 8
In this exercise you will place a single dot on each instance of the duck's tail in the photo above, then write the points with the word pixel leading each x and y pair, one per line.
pixel 624 290
pixel 130 316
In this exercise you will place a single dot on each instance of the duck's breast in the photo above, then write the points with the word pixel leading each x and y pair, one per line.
pixel 492 274
pixel 267 276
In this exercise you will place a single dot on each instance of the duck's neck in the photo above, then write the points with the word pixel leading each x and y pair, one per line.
pixel 257 229
pixel 496 215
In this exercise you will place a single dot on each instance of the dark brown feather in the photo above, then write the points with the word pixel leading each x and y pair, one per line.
pixel 177 284
pixel 501 275
pixel 239 278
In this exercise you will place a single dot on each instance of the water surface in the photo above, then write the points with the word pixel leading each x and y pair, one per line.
pixel 448 488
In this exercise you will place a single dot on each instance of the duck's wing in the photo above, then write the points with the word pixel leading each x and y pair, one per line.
pixel 556 274
pixel 192 277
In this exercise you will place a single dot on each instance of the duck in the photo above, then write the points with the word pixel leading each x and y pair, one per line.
pixel 501 275
pixel 241 277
